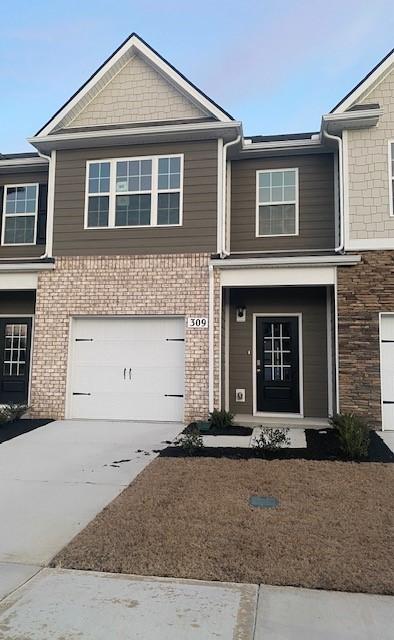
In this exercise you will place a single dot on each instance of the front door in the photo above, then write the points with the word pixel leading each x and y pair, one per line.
pixel 15 340
pixel 277 365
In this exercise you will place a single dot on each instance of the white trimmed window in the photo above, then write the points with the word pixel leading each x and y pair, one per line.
pixel 277 202
pixel 20 209
pixel 391 176
pixel 134 192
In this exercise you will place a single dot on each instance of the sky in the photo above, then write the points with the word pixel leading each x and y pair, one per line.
pixel 277 65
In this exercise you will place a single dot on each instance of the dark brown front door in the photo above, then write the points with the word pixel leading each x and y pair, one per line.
pixel 15 340
pixel 277 365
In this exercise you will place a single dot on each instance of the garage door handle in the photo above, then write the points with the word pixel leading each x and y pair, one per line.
pixel 173 395
pixel 124 373
pixel 81 394
pixel 130 374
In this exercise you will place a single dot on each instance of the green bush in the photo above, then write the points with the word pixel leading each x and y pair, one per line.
pixel 220 419
pixel 353 435
pixel 11 412
pixel 191 442
pixel 271 440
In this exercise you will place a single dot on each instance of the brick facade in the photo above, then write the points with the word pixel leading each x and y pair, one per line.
pixel 123 285
pixel 364 291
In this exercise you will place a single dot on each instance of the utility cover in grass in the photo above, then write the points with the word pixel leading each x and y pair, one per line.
pixel 263 502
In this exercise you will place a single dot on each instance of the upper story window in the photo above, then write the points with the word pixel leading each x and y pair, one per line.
pixel 134 192
pixel 391 176
pixel 277 202
pixel 20 209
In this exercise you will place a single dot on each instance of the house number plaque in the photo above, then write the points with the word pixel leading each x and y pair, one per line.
pixel 197 323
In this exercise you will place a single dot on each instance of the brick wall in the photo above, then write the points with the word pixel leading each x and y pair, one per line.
pixel 364 291
pixel 145 285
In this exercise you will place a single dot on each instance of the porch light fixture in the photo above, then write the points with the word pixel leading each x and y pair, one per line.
pixel 241 314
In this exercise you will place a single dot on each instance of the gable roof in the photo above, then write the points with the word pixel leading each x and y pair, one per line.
pixel 134 41
pixel 364 84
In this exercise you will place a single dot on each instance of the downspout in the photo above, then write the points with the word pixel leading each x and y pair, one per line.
pixel 211 338
pixel 338 140
pixel 223 251
pixel 50 202
pixel 338 249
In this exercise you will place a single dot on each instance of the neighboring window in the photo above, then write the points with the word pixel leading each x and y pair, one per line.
pixel 391 162
pixel 20 214
pixel 277 202
pixel 134 192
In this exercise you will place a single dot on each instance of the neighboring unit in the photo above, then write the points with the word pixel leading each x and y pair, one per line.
pixel 155 263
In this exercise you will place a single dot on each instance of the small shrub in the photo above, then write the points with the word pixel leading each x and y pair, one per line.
pixel 16 411
pixel 191 442
pixel 4 414
pixel 271 440
pixel 12 412
pixel 353 435
pixel 220 419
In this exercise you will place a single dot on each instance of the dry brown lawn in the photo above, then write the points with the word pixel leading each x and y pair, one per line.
pixel 190 518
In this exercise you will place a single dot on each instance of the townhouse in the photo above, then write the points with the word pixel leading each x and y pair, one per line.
pixel 155 263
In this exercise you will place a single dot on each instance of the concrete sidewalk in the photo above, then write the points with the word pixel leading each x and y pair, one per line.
pixel 54 480
pixel 57 604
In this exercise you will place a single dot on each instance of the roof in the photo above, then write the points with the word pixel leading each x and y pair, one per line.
pixel 133 40
pixel 15 156
pixel 365 82
pixel 284 137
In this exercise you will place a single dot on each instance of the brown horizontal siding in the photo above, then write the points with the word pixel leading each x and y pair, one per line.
pixel 316 204
pixel 197 233
pixel 28 251
pixel 311 302
pixel 17 302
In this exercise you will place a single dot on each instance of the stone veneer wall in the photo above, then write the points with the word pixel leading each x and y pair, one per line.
pixel 135 285
pixel 364 291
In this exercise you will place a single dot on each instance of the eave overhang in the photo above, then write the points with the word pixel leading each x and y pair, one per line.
pixel 286 261
pixel 137 135
pixel 335 123
pixel 19 165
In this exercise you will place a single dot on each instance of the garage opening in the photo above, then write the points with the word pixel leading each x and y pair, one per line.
pixel 127 368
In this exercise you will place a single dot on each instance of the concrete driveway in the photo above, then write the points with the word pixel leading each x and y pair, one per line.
pixel 55 479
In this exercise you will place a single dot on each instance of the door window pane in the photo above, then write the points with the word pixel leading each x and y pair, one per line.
pixel 15 344
pixel 277 351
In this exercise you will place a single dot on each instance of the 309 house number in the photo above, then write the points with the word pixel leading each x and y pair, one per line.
pixel 197 323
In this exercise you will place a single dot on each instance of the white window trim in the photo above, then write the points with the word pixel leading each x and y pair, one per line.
pixel 153 192
pixel 13 215
pixel 391 177
pixel 296 202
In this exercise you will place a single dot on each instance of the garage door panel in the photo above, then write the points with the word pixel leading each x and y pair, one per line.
pixel 127 369
pixel 387 370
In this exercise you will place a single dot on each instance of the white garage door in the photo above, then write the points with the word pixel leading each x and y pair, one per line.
pixel 127 369
pixel 387 368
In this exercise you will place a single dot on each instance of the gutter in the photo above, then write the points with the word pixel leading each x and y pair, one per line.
pixel 132 131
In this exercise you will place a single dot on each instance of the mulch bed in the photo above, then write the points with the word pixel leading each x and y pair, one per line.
pixel 234 430
pixel 14 429
pixel 191 518
pixel 322 444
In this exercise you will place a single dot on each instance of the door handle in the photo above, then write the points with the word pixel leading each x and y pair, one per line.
pixel 124 373
pixel 130 374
